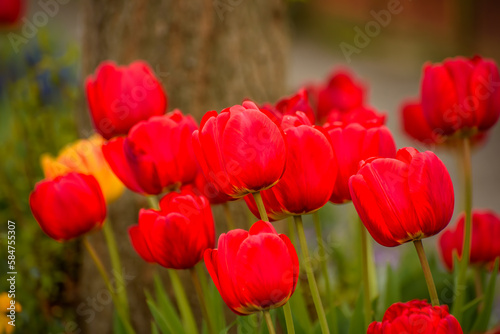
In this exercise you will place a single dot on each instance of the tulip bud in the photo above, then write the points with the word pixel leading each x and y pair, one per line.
pixel 120 97
pixel 403 199
pixel 485 247
pixel 68 206
pixel 358 136
pixel 461 96
pixel 178 234
pixel 156 155
pixel 241 150
pixel 255 270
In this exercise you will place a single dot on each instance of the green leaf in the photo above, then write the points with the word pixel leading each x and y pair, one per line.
pixel 168 322
pixel 154 328
pixel 166 306
pixel 301 319
pixel 357 324
pixel 483 319
pixel 392 289
pixel 183 303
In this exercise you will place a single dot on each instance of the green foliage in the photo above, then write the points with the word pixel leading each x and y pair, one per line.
pixel 38 92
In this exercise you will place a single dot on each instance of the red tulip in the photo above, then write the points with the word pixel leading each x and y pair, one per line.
pixel 416 317
pixel 210 190
pixel 310 171
pixel 403 199
pixel 415 124
pixel 341 93
pixel 176 236
pixel 355 142
pixel 11 11
pixel 461 95
pixel 241 150
pixel 68 206
pixel 121 97
pixel 255 270
pixel 485 247
pixel 298 102
pixel 157 154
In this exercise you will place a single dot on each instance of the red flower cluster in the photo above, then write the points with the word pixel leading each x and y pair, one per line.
pixel 485 247
pixel 416 317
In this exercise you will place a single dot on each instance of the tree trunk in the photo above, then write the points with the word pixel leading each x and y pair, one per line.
pixel 209 54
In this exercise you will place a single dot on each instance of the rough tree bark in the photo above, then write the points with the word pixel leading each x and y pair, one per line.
pixel 209 54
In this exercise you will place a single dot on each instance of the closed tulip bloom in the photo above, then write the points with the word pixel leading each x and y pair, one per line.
pixel 355 142
pixel 177 235
pixel 120 97
pixel 403 199
pixel 68 206
pixel 485 247
pixel 255 270
pixel 241 150
pixel 341 92
pixel 310 173
pixel 11 11
pixel 85 156
pixel 461 95
pixel 416 317
pixel 156 155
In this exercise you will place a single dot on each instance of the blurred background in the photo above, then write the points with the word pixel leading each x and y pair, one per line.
pixel 210 54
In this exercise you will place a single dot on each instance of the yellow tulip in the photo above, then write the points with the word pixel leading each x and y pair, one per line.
pixel 85 156
pixel 5 328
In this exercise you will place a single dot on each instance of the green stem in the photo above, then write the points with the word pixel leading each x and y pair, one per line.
pixel 290 329
pixel 269 322
pixel 427 272
pixel 366 276
pixel 260 205
pixel 291 230
pixel 322 254
pixel 183 303
pixel 116 265
pixel 465 256
pixel 100 267
pixel 153 202
pixel 310 276
pixel 229 216
pixel 201 298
